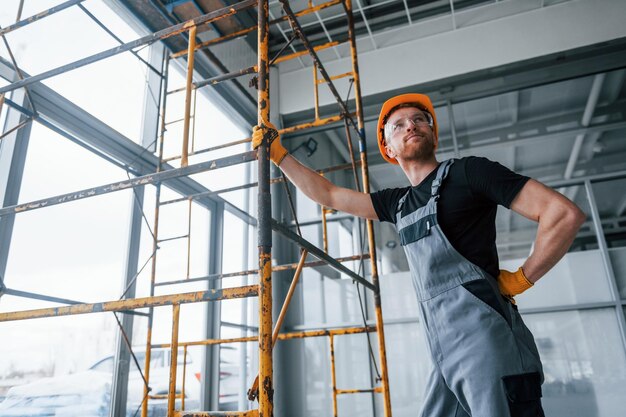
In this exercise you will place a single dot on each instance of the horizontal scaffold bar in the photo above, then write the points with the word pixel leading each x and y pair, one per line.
pixel 134 303
pixel 251 185
pixel 359 391
pixel 162 34
pixel 217 79
pixel 320 254
pixel 39 16
pixel 290 129
pixel 135 182
pixel 248 413
pixel 277 268
pixel 281 336
pixel 52 299
pixel 294 55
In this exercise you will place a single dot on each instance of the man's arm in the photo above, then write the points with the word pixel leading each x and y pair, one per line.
pixel 325 193
pixel 559 220
pixel 313 185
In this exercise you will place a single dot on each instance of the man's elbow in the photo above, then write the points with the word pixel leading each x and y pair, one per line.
pixel 574 216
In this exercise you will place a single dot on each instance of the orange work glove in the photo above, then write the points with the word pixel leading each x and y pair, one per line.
pixel 513 283
pixel 277 150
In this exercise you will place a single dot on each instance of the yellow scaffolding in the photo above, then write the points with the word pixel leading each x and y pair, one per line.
pixel 262 388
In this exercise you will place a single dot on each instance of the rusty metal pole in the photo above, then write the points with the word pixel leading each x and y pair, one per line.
pixel 189 88
pixel 324 229
pixel 155 244
pixel 266 389
pixel 315 93
pixel 171 394
pixel 182 391
pixel 370 225
pixel 333 375
pixel 254 390
pixel 189 238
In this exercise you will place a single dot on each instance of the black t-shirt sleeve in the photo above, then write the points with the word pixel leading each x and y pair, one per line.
pixel 493 181
pixel 386 203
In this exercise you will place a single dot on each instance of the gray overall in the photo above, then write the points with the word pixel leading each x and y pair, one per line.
pixel 486 363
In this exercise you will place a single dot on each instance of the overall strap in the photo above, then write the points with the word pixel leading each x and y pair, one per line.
pixel 402 200
pixel 442 173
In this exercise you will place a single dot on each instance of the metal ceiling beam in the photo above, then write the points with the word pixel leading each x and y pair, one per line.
pixel 13 149
pixel 542 137
pixel 554 172
pixel 474 49
pixel 590 106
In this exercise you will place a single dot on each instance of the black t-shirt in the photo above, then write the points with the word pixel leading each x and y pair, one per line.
pixel 466 209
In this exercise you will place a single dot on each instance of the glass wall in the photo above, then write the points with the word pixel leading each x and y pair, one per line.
pixel 584 361
pixel 74 251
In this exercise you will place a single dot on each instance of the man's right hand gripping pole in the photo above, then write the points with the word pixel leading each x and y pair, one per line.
pixel 277 150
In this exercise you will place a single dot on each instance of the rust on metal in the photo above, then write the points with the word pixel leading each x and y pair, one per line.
pixel 326 332
pixel 359 391
pixel 171 397
pixel 134 303
pixel 302 53
pixel 253 391
pixel 248 413
pixel 189 238
pixel 162 396
pixel 281 336
pixel 333 375
pixel 188 89
pixel 266 390
pixel 316 101
pixel 335 77
pixel 146 387
pixel 209 342
pixel 308 125
pixel 182 391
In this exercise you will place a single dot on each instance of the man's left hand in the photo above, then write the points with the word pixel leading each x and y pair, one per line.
pixel 513 283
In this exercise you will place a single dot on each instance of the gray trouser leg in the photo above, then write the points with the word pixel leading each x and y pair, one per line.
pixel 440 401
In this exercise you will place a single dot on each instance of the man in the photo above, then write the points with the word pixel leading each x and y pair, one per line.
pixel 486 363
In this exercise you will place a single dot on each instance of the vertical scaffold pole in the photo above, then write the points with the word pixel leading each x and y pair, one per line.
pixel 266 390
pixel 370 226
pixel 188 90
pixel 171 394
pixel 155 242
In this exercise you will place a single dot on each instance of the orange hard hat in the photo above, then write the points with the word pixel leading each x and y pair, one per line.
pixel 421 101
